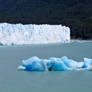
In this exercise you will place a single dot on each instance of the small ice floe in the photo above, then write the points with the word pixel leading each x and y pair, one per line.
pixel 55 64
pixel 21 67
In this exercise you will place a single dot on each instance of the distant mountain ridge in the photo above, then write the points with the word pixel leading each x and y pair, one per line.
pixel 73 13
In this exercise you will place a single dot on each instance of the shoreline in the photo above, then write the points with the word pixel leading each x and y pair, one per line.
pixel 81 39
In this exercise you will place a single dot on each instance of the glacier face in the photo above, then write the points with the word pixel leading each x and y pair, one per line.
pixel 33 34
pixel 55 64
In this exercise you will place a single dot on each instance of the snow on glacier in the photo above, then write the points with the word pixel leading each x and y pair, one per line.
pixel 55 64
pixel 33 34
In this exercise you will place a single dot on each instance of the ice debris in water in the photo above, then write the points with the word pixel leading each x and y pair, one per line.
pixel 55 64
pixel 11 34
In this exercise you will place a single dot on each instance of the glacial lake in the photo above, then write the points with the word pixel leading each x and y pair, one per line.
pixel 13 80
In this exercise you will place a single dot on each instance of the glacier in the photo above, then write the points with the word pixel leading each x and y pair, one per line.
pixel 18 34
pixel 55 64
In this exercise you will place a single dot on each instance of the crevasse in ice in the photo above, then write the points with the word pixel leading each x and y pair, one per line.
pixel 55 64
pixel 33 34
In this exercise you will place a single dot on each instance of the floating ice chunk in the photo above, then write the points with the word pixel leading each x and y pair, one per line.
pixel 59 66
pixel 55 64
pixel 33 64
pixel 69 62
pixel 87 63
pixel 21 68
pixel 31 60
pixel 47 64
pixel 80 64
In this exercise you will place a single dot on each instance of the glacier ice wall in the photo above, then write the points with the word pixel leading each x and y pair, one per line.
pixel 33 34
pixel 55 64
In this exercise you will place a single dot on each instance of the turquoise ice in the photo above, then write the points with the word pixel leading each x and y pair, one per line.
pixel 55 64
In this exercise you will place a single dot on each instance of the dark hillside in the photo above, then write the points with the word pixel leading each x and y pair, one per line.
pixel 77 14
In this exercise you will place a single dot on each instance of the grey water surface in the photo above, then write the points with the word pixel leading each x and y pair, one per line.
pixel 13 80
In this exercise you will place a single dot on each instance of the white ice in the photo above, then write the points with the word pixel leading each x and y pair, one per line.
pixel 33 34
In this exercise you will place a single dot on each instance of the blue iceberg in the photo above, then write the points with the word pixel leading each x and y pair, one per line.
pixel 69 62
pixel 87 63
pixel 55 64
pixel 33 64
pixel 58 64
